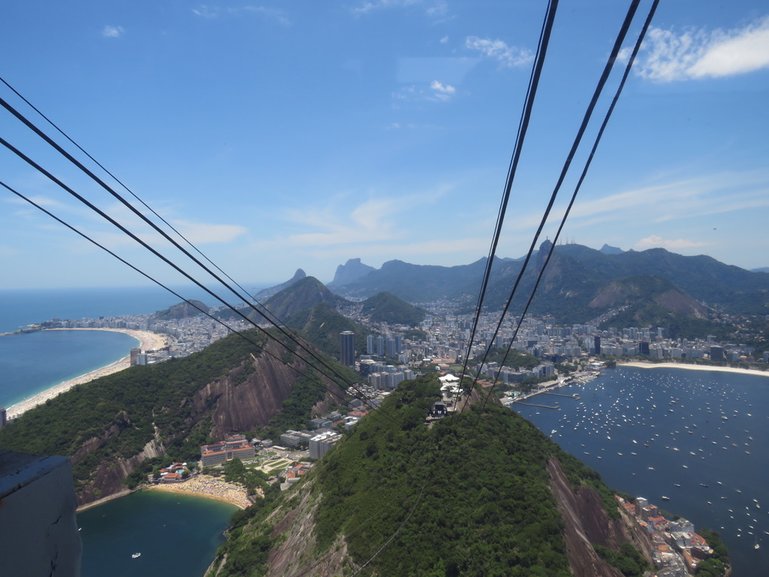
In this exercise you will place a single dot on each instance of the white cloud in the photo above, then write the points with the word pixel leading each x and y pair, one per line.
pixel 435 9
pixel 442 91
pixel 507 56
pixel 112 31
pixel 207 233
pixel 444 40
pixel 668 56
pixel 655 241
pixel 213 12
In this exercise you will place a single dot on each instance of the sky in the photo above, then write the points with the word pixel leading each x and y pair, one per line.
pixel 280 135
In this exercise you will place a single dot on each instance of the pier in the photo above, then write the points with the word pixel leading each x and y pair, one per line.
pixel 552 407
pixel 574 396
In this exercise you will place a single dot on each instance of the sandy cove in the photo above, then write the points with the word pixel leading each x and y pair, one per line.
pixel 208 487
pixel 690 367
pixel 148 342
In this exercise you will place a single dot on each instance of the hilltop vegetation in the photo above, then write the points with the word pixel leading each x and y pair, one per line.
pixel 387 308
pixel 470 495
pixel 114 427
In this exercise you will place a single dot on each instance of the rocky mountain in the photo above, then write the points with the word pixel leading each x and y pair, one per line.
pixel 301 295
pixel 481 493
pixel 116 427
pixel 182 310
pixel 575 277
pixel 417 283
pixel 350 272
pixel 265 294
pixel 608 249
pixel 387 308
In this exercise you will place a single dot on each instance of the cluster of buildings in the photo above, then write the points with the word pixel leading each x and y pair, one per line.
pixel 677 548
pixel 233 447
pixel 174 473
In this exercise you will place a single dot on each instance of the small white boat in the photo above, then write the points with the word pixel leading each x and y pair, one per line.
pixel 135 555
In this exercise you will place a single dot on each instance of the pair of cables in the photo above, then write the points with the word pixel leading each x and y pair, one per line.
pixel 632 9
pixel 308 356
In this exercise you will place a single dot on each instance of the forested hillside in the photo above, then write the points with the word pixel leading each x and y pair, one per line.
pixel 470 495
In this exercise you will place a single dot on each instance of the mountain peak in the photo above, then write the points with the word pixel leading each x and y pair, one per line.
pixel 350 272
pixel 608 249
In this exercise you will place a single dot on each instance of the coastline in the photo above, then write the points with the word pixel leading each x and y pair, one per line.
pixel 207 487
pixel 692 367
pixel 103 500
pixel 147 341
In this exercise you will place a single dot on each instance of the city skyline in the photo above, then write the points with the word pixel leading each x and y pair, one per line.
pixel 278 138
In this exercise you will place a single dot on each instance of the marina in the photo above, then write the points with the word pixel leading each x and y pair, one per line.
pixel 660 434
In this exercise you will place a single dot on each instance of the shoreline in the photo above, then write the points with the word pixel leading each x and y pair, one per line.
pixel 103 500
pixel 693 367
pixel 207 487
pixel 147 341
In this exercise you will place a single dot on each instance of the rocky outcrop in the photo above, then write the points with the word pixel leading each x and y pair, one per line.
pixel 245 398
pixel 249 395
pixel 586 523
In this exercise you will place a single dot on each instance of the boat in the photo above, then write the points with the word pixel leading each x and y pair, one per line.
pixel 135 555
pixel 665 498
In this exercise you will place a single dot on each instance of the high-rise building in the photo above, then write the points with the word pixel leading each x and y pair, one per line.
pixel 3 417
pixel 597 344
pixel 370 345
pixel 347 348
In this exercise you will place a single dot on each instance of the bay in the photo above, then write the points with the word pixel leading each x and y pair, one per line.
pixel 22 307
pixel 33 362
pixel 699 438
pixel 175 534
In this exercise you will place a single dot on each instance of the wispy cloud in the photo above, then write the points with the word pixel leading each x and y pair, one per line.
pixel 442 91
pixel 208 233
pixel 436 91
pixel 506 56
pixel 672 244
pixel 668 55
pixel 212 12
pixel 435 9
pixel 110 31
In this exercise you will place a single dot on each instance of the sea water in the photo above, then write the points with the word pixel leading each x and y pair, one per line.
pixel 33 362
pixel 22 307
pixel 175 535
pixel 701 439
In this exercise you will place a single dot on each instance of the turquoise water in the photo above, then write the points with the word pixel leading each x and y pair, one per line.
pixel 33 362
pixel 699 438
pixel 175 534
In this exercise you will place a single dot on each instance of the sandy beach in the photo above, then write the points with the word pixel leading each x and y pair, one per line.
pixel 148 342
pixel 208 487
pixel 690 367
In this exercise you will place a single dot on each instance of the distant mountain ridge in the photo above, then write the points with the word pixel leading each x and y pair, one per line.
pixel 575 277
pixel 349 272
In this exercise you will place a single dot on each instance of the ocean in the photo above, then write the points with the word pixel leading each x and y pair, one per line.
pixel 701 439
pixel 33 362
pixel 22 307
pixel 175 534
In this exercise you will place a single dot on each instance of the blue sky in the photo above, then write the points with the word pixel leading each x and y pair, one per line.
pixel 279 135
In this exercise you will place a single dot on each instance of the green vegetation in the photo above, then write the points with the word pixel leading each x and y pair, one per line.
pixel 250 477
pixel 628 560
pixel 321 326
pixel 516 359
pixel 717 565
pixel 249 539
pixel 117 415
pixel 474 488
pixel 386 307
pixel 306 392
